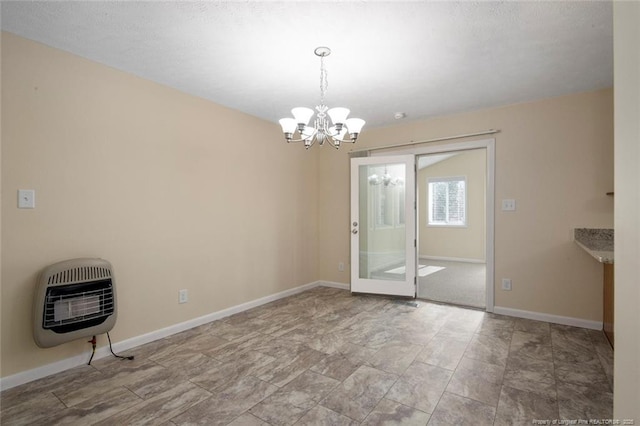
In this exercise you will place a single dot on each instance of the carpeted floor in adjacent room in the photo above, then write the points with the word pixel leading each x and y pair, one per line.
pixel 458 283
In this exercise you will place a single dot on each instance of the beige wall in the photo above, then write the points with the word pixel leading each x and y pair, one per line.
pixel 455 242
pixel 626 403
pixel 175 191
pixel 555 157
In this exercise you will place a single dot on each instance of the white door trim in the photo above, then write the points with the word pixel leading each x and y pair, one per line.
pixel 490 146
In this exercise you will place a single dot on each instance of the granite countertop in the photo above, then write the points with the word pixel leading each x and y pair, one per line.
pixel 597 242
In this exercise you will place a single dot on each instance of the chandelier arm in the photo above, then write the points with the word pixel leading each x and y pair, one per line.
pixel 296 140
pixel 333 141
pixel 333 138
pixel 308 143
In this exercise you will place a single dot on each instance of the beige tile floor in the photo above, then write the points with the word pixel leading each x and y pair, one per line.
pixel 325 357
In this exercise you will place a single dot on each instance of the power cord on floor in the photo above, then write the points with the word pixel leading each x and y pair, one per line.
pixel 93 349
pixel 130 357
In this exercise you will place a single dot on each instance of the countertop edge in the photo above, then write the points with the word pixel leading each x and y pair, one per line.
pixel 600 256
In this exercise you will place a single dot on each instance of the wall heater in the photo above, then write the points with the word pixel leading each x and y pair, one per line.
pixel 74 299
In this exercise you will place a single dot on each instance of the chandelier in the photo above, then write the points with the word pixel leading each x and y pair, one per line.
pixel 386 179
pixel 322 130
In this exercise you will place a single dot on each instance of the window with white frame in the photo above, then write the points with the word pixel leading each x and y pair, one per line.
pixel 447 201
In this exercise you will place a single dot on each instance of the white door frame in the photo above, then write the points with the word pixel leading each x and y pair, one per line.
pixel 490 146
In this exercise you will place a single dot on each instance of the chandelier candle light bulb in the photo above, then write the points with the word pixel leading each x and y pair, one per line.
pixel 332 129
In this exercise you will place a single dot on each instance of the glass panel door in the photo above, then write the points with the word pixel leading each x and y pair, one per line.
pixel 383 250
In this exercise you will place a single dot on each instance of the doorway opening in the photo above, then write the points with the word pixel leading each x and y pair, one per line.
pixel 451 227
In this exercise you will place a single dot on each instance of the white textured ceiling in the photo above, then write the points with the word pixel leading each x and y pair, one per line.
pixel 421 58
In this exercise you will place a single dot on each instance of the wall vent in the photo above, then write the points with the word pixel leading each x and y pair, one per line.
pixel 74 299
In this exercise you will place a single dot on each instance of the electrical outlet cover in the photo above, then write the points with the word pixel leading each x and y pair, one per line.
pixel 506 284
pixel 26 199
pixel 508 205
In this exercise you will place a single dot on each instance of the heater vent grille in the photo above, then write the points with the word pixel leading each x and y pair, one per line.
pixel 69 307
pixel 80 274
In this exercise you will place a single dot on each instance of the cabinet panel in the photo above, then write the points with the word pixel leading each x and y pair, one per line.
pixel 608 302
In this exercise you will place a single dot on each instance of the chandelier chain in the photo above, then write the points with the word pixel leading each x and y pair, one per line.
pixel 323 80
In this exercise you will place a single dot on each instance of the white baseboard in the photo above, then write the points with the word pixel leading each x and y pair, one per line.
pixel 49 369
pixel 452 259
pixel 332 284
pixel 556 319
pixel 78 360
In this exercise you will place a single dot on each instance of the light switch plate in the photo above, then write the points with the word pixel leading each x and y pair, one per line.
pixel 26 199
